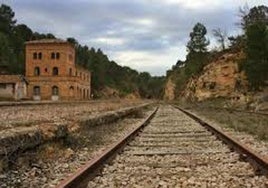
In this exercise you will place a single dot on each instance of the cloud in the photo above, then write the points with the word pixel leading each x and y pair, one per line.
pixel 148 35
pixel 156 62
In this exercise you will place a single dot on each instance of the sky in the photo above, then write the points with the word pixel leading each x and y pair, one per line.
pixel 146 35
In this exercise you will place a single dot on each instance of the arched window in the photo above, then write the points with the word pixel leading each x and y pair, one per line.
pixel 34 55
pixel 55 90
pixel 36 71
pixel 36 90
pixel 55 71
pixel 84 93
pixel 39 55
pixel 57 55
pixel 70 71
pixel 71 91
pixel 53 56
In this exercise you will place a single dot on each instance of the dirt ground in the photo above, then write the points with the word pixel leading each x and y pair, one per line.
pixel 33 115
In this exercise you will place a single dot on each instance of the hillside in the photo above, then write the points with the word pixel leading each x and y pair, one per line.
pixel 237 72
pixel 220 78
pixel 107 75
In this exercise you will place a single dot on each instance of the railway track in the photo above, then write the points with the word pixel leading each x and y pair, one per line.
pixel 173 150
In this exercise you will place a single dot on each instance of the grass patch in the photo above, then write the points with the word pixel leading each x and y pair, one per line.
pixel 254 124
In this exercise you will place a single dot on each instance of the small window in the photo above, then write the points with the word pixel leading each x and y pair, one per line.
pixel 53 55
pixel 39 55
pixel 36 71
pixel 70 72
pixel 55 71
pixel 55 90
pixel 36 90
pixel 57 55
pixel 34 55
pixel 3 86
pixel 46 70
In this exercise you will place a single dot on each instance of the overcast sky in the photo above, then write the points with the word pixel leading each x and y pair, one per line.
pixel 147 35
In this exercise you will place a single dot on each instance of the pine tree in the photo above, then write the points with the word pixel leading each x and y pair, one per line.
pixel 198 41
pixel 256 31
pixel 197 48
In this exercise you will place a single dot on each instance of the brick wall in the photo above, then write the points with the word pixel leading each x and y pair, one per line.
pixel 7 91
pixel 56 57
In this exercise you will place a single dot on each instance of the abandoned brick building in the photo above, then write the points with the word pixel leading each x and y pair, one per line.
pixel 13 87
pixel 52 72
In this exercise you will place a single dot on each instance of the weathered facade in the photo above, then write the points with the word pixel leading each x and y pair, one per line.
pixel 52 73
pixel 13 87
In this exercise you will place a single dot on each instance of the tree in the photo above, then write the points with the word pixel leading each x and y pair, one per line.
pixel 72 41
pixel 242 12
pixel 6 19
pixel 23 32
pixel 221 37
pixel 256 32
pixel 197 48
pixel 257 14
pixel 198 41
pixel 237 42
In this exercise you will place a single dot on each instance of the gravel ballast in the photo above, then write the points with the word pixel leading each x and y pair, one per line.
pixel 175 151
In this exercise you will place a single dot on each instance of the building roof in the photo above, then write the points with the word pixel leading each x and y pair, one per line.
pixel 6 79
pixel 47 41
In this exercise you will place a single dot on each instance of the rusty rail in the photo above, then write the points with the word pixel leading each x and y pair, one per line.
pixel 259 162
pixel 81 177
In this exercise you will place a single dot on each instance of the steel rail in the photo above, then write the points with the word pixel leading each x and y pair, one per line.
pixel 260 163
pixel 81 177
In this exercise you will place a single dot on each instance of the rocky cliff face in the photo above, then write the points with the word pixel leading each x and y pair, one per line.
pixel 220 78
pixel 169 90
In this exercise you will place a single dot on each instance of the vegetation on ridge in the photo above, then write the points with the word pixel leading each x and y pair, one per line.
pixel 105 73
pixel 253 42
